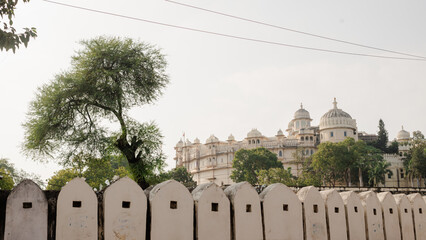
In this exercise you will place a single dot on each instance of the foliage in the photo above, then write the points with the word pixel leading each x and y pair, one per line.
pixel 181 175
pixel 247 162
pixel 6 182
pixel 108 77
pixel 276 175
pixel 382 137
pixel 393 148
pixel 60 178
pixel 329 162
pixel 18 174
pixel 415 161
pixel 377 171
pixel 97 171
pixel 9 38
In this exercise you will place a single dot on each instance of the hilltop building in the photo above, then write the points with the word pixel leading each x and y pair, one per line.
pixel 212 161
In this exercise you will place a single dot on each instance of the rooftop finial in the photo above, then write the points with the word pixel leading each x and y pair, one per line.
pixel 301 105
pixel 402 127
pixel 335 103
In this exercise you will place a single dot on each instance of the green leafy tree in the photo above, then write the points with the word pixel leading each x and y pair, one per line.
pixel 18 174
pixel 393 148
pixel 9 38
pixel 247 162
pixel 181 175
pixel 6 181
pixel 96 171
pixel 60 178
pixel 415 161
pixel 276 175
pixel 382 137
pixel 108 77
pixel 377 171
pixel 330 162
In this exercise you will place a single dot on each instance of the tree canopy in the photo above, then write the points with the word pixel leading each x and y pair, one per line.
pixel 108 77
pixel 415 161
pixel 9 38
pixel 247 162
pixel 17 175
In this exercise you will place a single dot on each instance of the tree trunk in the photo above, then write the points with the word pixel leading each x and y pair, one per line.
pixel 349 178
pixel 361 183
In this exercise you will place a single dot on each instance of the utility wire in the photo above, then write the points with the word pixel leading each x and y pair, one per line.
pixel 292 30
pixel 230 36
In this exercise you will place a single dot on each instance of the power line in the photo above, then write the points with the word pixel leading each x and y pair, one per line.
pixel 230 36
pixel 292 30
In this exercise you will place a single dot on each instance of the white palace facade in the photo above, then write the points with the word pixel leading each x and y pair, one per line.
pixel 212 161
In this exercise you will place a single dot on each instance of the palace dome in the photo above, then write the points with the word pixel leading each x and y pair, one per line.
pixel 179 144
pixel 212 139
pixel 254 133
pixel 280 133
pixel 403 135
pixel 231 138
pixel 302 113
pixel 197 141
pixel 336 117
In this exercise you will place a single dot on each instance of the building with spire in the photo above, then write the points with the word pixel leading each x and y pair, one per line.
pixel 212 161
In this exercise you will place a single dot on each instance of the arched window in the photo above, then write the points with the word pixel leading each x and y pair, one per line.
pixel 280 153
pixel 258 141
pixel 249 141
pixel 312 151
pixel 345 134
pixel 307 151
pixel 301 138
pixel 311 138
pixel 331 134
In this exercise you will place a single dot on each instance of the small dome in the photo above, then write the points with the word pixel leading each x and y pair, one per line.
pixel 188 142
pixel 301 113
pixel 197 141
pixel 254 133
pixel 403 135
pixel 231 138
pixel 280 133
pixel 180 143
pixel 212 139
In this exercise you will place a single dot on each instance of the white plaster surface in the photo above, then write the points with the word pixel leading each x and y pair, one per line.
pixel 314 221
pixel 373 222
pixel 247 224
pixel 419 218
pixel 281 222
pixel 125 206
pixel 405 216
pixel 212 213
pixel 77 223
pixel 167 222
pixel 335 213
pixel 26 223
pixel 390 216
pixel 355 221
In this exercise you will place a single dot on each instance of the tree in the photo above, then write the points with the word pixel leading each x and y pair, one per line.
pixel 97 172
pixel 330 162
pixel 9 38
pixel 108 77
pixel 60 178
pixel 415 161
pixel 181 175
pixel 382 137
pixel 276 175
pixel 247 162
pixel 6 181
pixel 18 174
pixel 393 148
pixel 377 171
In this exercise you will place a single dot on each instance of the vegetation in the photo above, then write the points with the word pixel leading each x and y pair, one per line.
pixel 179 174
pixel 415 161
pixel 247 163
pixel 6 182
pixel 108 77
pixel 17 175
pixel 98 172
pixel 9 38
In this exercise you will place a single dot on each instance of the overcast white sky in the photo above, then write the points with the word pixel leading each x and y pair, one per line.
pixel 222 86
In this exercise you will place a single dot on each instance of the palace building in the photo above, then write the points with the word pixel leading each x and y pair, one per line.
pixel 212 161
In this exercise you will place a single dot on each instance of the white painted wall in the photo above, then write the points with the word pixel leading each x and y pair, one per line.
pixel 390 216
pixel 125 206
pixel 26 213
pixel 335 213
pixel 419 213
pixel 247 220
pixel 212 213
pixel 373 215
pixel 172 211
pixel 282 213
pixel 73 222
pixel 405 216
pixel 354 215
pixel 314 213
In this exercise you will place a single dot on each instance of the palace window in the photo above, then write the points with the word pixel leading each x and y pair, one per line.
pixel 280 153
pixel 331 134
pixel 345 134
pixel 301 138
pixel 258 141
pixel 401 171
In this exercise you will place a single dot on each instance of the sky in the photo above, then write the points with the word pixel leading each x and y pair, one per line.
pixel 222 86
